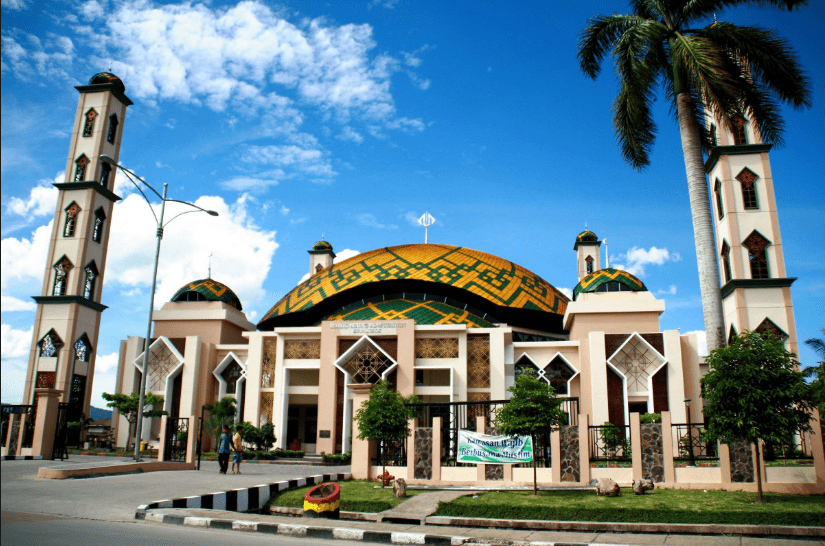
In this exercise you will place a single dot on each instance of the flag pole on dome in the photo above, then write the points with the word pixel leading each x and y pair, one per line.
pixel 426 220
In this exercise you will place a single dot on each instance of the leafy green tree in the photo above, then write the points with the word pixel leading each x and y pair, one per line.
pixel 532 410
pixel 221 413
pixel 262 437
pixel 384 417
pixel 817 373
pixel 734 72
pixel 755 393
pixel 128 404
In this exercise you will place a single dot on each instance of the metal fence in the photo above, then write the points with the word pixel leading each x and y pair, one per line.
pixel 17 421
pixel 795 448
pixel 391 453
pixel 609 443
pixel 177 436
pixel 691 444
pixel 457 416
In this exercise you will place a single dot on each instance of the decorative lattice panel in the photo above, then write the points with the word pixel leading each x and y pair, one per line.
pixel 231 374
pixel 436 347
pixel 302 348
pixel 367 365
pixel 45 380
pixel 767 325
pixel 558 373
pixel 267 405
pixel 478 362
pixel 268 364
pixel 161 361
pixel 637 362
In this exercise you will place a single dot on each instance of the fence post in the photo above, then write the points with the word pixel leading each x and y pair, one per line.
pixel 555 456
pixel 724 462
pixel 411 450
pixel 436 447
pixel 164 423
pixel 818 447
pixel 45 422
pixel 667 446
pixel 584 448
pixel 191 440
pixel 481 469
pixel 636 446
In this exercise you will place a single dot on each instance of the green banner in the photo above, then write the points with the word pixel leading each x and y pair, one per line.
pixel 481 448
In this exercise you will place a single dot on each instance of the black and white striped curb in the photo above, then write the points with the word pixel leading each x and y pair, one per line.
pixel 245 499
pixel 345 533
pixel 22 457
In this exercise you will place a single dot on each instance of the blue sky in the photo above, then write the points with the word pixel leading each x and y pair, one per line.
pixel 347 120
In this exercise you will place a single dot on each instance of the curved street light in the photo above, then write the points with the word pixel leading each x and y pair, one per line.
pixel 160 225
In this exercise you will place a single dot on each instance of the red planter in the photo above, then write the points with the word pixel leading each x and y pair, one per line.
pixel 322 501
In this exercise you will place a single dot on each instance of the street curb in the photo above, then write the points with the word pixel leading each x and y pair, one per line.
pixel 22 457
pixel 244 499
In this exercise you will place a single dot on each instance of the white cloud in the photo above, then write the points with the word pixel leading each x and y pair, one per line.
pixel 284 210
pixel 15 4
pixel 34 60
pixel 248 183
pixel 702 339
pixel 41 201
pixel 637 258
pixel 242 252
pixel 670 291
pixel 345 254
pixel 15 343
pixel 306 161
pixel 23 260
pixel 9 303
pixel 567 292
pixel 105 363
pixel 349 134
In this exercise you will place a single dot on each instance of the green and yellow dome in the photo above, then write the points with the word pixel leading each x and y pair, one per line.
pixel 422 312
pixel 609 280
pixel 462 277
pixel 208 290
pixel 107 78
pixel 322 245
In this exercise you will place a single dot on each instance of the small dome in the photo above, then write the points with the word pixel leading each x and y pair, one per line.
pixel 609 280
pixel 208 290
pixel 322 245
pixel 586 236
pixel 108 78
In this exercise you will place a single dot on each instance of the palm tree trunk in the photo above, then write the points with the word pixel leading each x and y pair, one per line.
pixel 700 212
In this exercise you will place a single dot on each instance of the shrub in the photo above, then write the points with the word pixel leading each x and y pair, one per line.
pixel 649 418
pixel 337 459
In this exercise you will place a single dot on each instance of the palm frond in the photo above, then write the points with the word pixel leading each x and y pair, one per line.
pixel 767 58
pixel 764 113
pixel 817 345
pixel 695 10
pixel 649 9
pixel 599 37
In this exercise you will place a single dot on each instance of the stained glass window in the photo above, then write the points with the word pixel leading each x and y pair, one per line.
pixel 80 168
pixel 740 135
pixel 81 350
pixel 89 126
pixel 71 220
pixel 50 344
pixel 747 179
pixel 97 231
pixel 757 255
pixel 61 276
pixel 89 284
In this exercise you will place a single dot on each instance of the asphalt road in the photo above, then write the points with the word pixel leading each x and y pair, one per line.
pixel 114 498
pixel 20 529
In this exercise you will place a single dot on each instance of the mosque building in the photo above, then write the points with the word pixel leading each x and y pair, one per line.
pixel 450 324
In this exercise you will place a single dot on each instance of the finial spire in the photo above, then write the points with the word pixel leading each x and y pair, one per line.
pixel 426 220
pixel 606 255
pixel 209 276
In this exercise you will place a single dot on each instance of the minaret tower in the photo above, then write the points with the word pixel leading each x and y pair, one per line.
pixel 756 291
pixel 320 257
pixel 587 253
pixel 68 309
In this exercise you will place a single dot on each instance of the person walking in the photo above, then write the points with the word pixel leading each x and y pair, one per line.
pixel 224 447
pixel 237 456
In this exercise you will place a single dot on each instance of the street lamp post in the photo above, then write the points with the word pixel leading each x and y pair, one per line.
pixel 160 225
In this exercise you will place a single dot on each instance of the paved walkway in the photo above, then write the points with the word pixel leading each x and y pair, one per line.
pixel 417 508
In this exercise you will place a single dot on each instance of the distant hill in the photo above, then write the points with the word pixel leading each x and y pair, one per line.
pixel 96 414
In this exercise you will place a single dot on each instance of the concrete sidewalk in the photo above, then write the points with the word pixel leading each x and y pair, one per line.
pixel 371 531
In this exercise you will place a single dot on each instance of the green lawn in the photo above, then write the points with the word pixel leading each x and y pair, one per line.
pixel 356 496
pixel 658 506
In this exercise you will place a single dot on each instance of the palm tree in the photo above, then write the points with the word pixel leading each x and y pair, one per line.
pixel 817 374
pixel 732 72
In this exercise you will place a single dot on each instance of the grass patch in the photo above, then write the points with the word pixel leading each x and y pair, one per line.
pixel 356 496
pixel 658 506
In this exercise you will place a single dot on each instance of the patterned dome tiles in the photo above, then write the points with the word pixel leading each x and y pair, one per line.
pixel 497 280
pixel 212 290
pixel 598 278
pixel 422 312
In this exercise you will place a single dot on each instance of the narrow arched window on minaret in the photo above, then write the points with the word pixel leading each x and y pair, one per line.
pixel 725 254
pixel 110 134
pixel 80 168
pixel 71 220
pixel 757 255
pixel 717 191
pixel 747 178
pixel 97 231
pixel 589 261
pixel 105 173
pixel 89 283
pixel 740 134
pixel 61 276
pixel 89 126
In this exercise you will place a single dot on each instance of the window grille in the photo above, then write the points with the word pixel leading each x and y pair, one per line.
pixel 89 284
pixel 747 179
pixel 756 245
pixel 110 134
pixel 50 344
pixel 89 126
pixel 740 135
pixel 589 261
pixel 61 269
pixel 726 261
pixel 71 220
pixel 80 168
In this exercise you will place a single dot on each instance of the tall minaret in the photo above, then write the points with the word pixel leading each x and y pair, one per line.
pixel 587 253
pixel 68 314
pixel 756 292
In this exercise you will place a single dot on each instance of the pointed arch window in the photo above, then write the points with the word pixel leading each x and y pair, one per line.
pixel 89 283
pixel 112 132
pixel 726 261
pixel 105 174
pixel 70 222
pixel 558 373
pixel 231 374
pixel 318 267
pixel 89 125
pixel 82 348
pixel 740 134
pixel 747 178
pixel 50 344
pixel 732 334
pixel 717 192
pixel 767 325
pixel 712 135
pixel 61 276
pixel 589 264
pixel 97 231
pixel 80 168
pixel 757 255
